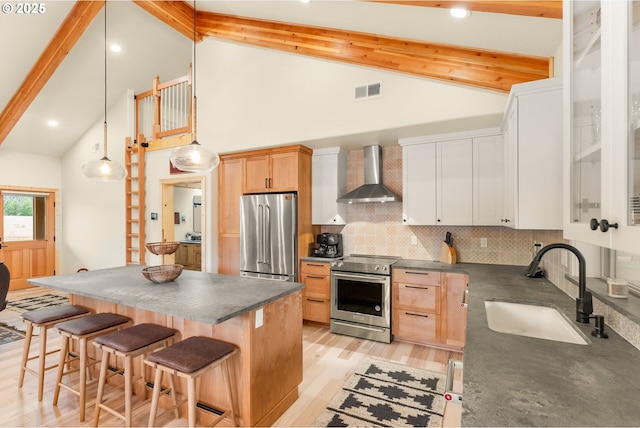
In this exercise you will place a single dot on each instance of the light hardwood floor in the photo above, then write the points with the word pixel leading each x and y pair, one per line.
pixel 329 359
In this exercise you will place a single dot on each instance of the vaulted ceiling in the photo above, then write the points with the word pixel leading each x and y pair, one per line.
pixel 275 25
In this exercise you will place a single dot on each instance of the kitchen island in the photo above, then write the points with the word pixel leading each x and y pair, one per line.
pixel 263 318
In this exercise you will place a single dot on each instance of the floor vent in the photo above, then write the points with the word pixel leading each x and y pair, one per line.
pixel 368 91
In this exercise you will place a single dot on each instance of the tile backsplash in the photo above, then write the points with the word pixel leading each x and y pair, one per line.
pixel 377 228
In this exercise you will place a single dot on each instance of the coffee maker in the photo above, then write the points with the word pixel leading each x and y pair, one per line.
pixel 330 245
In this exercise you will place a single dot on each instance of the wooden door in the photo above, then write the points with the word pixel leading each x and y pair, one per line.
pixel 256 174
pixel 284 172
pixel 230 181
pixel 27 234
pixel 455 330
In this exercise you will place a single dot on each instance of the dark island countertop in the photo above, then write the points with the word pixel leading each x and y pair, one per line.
pixel 512 380
pixel 198 296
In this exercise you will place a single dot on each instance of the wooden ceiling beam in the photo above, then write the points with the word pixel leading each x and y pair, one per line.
pixel 539 9
pixel 468 66
pixel 176 14
pixel 69 32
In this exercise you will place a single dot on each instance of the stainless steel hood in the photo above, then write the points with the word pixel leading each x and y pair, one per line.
pixel 372 190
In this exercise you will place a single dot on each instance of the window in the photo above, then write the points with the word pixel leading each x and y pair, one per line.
pixel 24 217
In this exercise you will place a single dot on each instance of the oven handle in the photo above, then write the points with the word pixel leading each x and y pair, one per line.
pixel 361 276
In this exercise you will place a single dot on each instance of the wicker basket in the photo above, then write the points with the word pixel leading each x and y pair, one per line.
pixel 162 248
pixel 163 273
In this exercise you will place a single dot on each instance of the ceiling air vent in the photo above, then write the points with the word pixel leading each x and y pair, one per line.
pixel 368 91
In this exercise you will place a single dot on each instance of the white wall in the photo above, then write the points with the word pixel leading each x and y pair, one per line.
pixel 93 224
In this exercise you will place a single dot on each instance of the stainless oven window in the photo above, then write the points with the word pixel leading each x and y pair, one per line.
pixel 361 297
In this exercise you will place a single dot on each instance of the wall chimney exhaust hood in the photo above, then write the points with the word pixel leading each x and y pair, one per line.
pixel 372 190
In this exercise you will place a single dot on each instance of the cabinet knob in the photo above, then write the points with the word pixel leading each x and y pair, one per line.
pixel 603 224
pixel 438 220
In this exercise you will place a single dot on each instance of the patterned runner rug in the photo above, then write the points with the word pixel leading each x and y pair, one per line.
pixel 385 394
pixel 9 334
pixel 30 303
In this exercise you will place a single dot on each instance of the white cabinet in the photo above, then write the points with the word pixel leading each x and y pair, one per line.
pixel 602 104
pixel 454 184
pixel 533 131
pixel 487 180
pixel 328 183
pixel 452 179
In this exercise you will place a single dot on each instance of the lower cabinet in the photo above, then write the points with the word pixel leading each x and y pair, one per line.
pixel 189 256
pixel 316 300
pixel 426 309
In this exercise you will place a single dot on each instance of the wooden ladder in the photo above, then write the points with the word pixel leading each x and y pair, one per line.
pixel 135 195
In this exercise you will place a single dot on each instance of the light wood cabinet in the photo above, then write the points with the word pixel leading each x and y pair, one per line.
pixel 229 191
pixel 271 173
pixel 316 297
pixel 189 256
pixel 424 307
pixel 279 169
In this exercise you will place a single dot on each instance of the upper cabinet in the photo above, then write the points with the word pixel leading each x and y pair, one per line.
pixel 532 130
pixel 602 104
pixel 329 182
pixel 271 173
pixel 452 179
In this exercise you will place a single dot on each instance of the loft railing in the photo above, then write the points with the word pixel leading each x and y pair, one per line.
pixel 165 110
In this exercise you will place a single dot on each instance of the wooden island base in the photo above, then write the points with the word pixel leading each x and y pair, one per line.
pixel 266 371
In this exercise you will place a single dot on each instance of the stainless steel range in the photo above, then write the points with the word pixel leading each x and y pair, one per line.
pixel 361 296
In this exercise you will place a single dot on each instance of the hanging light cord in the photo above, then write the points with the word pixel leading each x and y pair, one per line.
pixel 105 79
pixel 193 104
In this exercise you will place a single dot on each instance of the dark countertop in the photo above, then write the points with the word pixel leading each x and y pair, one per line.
pixel 199 296
pixel 319 259
pixel 512 380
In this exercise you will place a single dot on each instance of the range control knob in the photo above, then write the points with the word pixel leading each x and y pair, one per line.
pixel 384 268
pixel 376 267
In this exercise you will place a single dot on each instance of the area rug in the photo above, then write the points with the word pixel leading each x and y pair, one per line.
pixel 9 334
pixel 38 302
pixel 385 394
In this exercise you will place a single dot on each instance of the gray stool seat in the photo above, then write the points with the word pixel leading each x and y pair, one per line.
pixel 128 344
pixel 44 319
pixel 53 313
pixel 83 330
pixel 91 323
pixel 191 354
pixel 190 359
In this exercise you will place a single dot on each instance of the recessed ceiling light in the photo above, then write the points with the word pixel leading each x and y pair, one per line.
pixel 459 12
pixel 52 123
pixel 115 48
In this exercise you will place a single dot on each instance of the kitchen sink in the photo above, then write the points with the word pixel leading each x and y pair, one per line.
pixel 543 322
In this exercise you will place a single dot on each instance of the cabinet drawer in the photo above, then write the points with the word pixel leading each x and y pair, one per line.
pixel 316 285
pixel 316 268
pixel 314 309
pixel 416 326
pixel 425 298
pixel 416 276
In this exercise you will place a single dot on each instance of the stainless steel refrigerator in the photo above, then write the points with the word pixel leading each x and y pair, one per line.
pixel 269 236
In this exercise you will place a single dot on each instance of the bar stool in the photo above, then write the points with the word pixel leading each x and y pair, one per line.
pixel 128 343
pixel 190 359
pixel 83 330
pixel 44 319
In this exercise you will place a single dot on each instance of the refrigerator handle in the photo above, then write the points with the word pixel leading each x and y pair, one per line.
pixel 260 232
pixel 266 253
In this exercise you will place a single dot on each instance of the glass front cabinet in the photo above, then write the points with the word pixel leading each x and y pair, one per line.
pixel 602 113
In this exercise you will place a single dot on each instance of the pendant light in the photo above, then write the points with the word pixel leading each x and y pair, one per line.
pixel 194 157
pixel 104 169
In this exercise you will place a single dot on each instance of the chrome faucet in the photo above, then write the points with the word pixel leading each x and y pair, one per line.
pixel 584 302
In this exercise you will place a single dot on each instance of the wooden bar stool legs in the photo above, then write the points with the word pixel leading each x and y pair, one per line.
pixel 82 330
pixel 190 359
pixel 44 319
pixel 127 344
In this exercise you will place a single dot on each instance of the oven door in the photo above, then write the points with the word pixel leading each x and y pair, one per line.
pixel 361 298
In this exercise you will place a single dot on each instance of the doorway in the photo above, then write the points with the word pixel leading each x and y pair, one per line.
pixel 27 233
pixel 183 220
